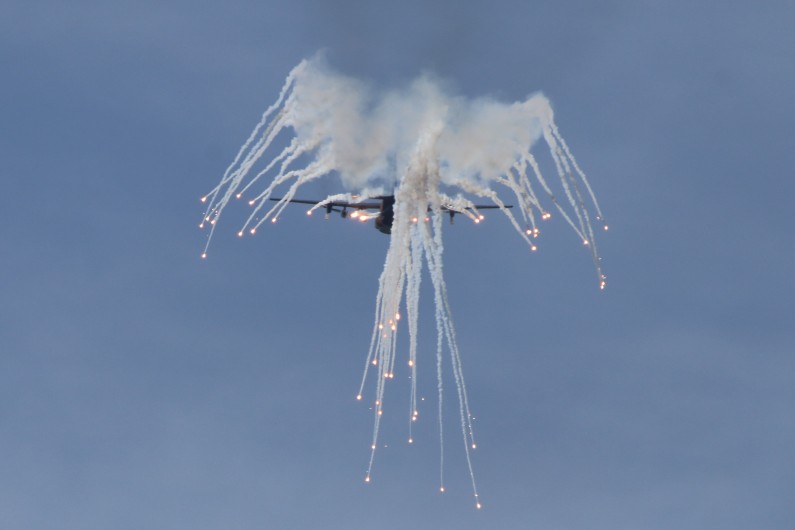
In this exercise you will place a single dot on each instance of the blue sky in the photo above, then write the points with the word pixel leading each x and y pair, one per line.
pixel 141 387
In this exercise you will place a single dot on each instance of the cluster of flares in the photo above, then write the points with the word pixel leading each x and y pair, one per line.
pixel 436 150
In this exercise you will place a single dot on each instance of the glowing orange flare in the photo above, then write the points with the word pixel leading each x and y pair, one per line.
pixel 253 231
pixel 274 219
pixel 309 212
pixel 203 199
pixel 367 478
pixel 411 363
pixel 359 397
pixel 441 488
pixel 478 505
pixel 240 234
pixel 239 195
pixel 411 440
pixel 204 255
pixel 251 202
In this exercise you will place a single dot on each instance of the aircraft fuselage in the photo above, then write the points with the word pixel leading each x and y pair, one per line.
pixel 383 223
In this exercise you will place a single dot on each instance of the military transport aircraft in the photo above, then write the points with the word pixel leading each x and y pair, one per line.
pixel 386 212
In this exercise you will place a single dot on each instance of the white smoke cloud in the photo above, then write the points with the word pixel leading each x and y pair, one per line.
pixel 371 136
pixel 418 144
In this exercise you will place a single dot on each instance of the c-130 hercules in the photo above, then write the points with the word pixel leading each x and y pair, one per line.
pixel 385 215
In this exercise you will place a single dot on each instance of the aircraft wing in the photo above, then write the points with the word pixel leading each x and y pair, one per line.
pixel 486 206
pixel 338 204
pixel 480 207
pixel 374 205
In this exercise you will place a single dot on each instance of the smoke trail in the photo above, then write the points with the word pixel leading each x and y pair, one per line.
pixel 430 144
